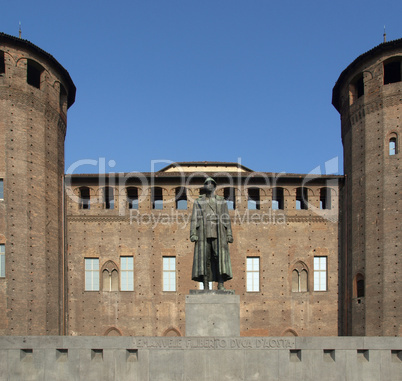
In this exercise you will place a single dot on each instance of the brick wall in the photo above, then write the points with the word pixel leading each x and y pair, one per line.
pixel 280 238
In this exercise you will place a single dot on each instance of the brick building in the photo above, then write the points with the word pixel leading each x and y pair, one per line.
pixel 145 220
pixel 368 97
pixel 110 254
pixel 35 93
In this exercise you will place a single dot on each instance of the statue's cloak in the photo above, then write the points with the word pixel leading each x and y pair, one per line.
pixel 197 228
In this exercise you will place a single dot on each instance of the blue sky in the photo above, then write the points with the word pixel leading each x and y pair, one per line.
pixel 196 80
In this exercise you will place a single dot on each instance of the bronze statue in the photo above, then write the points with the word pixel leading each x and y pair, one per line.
pixel 211 231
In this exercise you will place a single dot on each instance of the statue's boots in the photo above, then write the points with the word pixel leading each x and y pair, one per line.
pixel 220 286
pixel 206 285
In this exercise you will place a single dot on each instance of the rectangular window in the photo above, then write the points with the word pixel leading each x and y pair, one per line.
pixel 253 274
pixel 277 198
pixel 91 274
pixel 169 273
pixel 320 273
pixel 181 198
pixel 392 72
pixel 229 195
pixel 132 198
pixel 253 199
pixel 1 189
pixel 34 72
pixel 126 274
pixel 325 198
pixel 85 201
pixel 301 199
pixel 2 260
pixel 108 196
pixel 181 204
pixel 392 146
pixel 157 198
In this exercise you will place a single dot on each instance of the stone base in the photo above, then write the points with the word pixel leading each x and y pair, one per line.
pixel 212 313
pixel 200 359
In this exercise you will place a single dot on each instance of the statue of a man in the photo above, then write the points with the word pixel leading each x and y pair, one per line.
pixel 211 231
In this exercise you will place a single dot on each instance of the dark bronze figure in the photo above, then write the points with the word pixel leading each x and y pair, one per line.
pixel 211 231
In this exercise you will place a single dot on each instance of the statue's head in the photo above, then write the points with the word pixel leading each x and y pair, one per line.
pixel 209 184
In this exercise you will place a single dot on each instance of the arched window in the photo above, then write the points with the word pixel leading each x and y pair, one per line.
pixel 295 281
pixel 356 88
pixel 300 278
pixel 157 198
pixel 110 280
pixel 108 198
pixel 358 286
pixel 303 281
pixel 277 198
pixel 325 198
pixel 229 195
pixel 301 198
pixel 110 277
pixel 85 198
pixel 392 70
pixel 181 198
pixel 34 73
pixel 132 197
pixel 253 202
pixel 392 146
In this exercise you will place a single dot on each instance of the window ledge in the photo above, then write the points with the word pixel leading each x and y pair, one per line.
pixel 300 292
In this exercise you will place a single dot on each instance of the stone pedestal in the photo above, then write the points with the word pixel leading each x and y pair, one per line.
pixel 212 313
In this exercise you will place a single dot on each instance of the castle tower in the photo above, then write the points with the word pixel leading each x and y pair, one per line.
pixel 368 96
pixel 35 93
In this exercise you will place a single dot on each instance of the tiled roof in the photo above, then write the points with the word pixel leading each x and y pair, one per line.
pixel 206 163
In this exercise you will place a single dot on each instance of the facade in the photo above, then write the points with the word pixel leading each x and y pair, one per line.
pixel 144 220
pixel 111 255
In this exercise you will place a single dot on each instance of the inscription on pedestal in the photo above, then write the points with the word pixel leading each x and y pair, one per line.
pixel 214 343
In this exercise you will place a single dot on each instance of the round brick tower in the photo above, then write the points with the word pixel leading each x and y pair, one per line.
pixel 368 96
pixel 35 93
